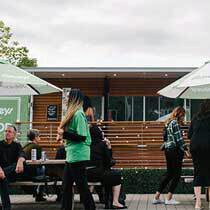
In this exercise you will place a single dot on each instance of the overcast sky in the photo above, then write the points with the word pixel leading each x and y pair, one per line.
pixel 111 32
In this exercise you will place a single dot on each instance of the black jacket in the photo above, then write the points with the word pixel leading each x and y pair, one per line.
pixel 199 133
pixel 100 155
pixel 9 153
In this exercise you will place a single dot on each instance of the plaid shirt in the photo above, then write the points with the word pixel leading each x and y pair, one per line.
pixel 174 136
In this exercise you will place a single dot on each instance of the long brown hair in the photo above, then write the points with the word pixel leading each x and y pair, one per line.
pixel 177 114
pixel 75 102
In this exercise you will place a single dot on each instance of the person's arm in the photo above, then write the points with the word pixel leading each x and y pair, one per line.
pixel 21 159
pixel 190 131
pixel 21 153
pixel 73 136
pixel 2 175
pixel 107 158
pixel 177 133
pixel 20 165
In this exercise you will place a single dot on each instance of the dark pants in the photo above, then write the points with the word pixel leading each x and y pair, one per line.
pixel 174 159
pixel 76 172
pixel 109 178
pixel 11 176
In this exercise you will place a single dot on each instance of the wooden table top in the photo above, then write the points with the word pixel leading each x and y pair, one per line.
pixel 46 162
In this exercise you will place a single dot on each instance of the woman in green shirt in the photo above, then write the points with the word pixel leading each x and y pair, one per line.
pixel 74 129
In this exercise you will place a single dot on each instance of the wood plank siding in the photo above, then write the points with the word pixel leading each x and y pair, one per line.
pixel 134 144
pixel 90 86
pixel 137 86
pixel 94 87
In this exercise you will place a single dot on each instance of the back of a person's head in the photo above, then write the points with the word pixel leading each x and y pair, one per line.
pixel 75 102
pixel 75 96
pixel 86 103
pixel 204 109
pixel 32 134
pixel 96 134
pixel 176 114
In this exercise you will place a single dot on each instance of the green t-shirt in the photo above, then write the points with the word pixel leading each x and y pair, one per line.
pixel 78 151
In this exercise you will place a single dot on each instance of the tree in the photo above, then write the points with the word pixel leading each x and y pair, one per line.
pixel 12 51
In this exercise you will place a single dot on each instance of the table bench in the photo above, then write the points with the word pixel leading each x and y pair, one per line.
pixel 50 183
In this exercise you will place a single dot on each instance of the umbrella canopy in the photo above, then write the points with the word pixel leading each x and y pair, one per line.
pixel 195 85
pixel 16 81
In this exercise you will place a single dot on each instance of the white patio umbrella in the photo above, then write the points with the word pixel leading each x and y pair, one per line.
pixel 195 85
pixel 15 81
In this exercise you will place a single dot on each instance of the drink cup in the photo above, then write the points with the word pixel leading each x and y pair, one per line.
pixel 43 156
pixel 33 154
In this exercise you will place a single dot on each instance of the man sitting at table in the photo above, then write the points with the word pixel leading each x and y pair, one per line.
pixel 34 139
pixel 12 160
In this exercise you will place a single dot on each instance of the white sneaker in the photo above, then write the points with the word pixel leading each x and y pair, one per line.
pixel 171 202
pixel 157 201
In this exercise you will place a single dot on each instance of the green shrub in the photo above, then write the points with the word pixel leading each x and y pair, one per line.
pixel 146 181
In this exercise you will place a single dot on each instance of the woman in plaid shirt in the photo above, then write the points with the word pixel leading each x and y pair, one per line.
pixel 174 153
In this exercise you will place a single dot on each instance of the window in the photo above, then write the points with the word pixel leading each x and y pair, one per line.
pixel 126 108
pixel 97 106
pixel 138 108
pixel 152 109
pixel 117 108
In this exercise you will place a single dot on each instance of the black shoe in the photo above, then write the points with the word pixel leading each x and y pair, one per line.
pixel 119 207
pixel 101 199
pixel 40 199
pixel 59 198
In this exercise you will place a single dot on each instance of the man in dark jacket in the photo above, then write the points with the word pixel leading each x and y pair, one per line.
pixel 12 160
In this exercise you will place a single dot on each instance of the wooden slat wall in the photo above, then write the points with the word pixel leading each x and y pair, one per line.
pixel 137 144
pixel 94 87
pixel 137 86
pixel 40 106
pixel 134 144
pixel 90 86
pixel 125 136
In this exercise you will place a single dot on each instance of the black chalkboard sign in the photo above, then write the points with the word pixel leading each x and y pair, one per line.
pixel 52 112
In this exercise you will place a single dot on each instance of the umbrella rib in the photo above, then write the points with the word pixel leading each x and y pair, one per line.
pixel 183 92
pixel 33 88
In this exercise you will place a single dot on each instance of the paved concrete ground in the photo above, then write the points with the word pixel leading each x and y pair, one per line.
pixel 133 201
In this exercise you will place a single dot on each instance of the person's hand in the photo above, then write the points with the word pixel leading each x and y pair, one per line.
pixel 108 143
pixel 19 166
pixel 2 175
pixel 60 132
pixel 188 154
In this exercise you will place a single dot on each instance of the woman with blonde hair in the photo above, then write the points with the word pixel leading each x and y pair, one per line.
pixel 74 129
pixel 174 153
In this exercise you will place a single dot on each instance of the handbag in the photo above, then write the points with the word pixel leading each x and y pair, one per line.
pixel 165 138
